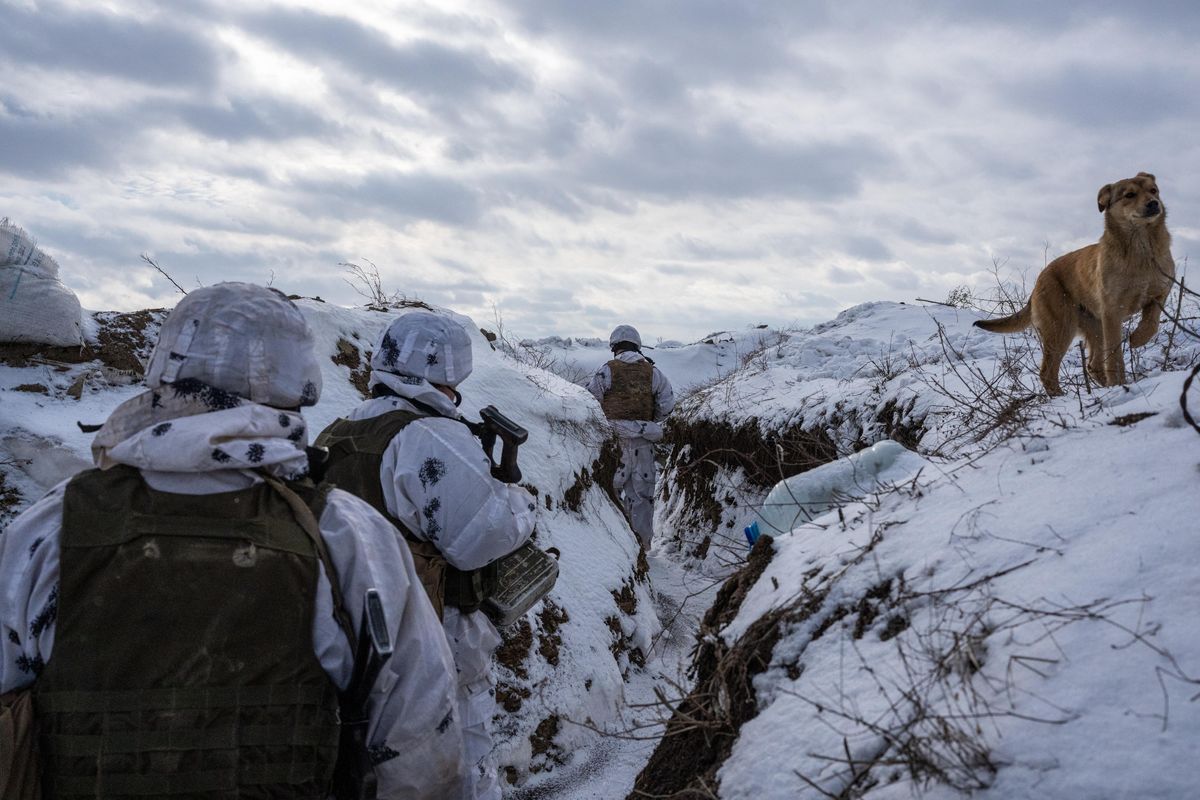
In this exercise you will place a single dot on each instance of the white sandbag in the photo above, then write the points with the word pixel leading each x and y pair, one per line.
pixel 35 307
pixel 800 498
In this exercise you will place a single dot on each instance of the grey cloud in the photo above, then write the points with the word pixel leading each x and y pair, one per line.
pixel 539 189
pixel 260 118
pixel 654 82
pixel 68 242
pixel 679 269
pixel 1049 18
pixel 844 276
pixel 703 250
pixel 726 161
pixel 865 247
pixel 45 147
pixel 917 231
pixel 100 43
pixel 425 67
pixel 707 39
pixel 1119 97
pixel 395 196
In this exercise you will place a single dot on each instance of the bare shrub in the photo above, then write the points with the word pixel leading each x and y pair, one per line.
pixel 367 284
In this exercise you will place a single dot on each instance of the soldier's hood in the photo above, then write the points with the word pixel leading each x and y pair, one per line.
pixel 196 428
pixel 411 387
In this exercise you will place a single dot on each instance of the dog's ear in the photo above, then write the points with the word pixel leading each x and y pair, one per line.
pixel 1147 175
pixel 1104 197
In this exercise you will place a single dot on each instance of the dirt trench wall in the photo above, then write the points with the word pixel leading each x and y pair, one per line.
pixel 719 470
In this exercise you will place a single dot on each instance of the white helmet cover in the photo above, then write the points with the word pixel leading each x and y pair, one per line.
pixel 624 333
pixel 239 338
pixel 421 344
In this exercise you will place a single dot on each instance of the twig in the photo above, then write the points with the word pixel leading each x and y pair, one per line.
pixel 154 264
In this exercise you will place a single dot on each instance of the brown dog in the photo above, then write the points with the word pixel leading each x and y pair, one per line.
pixel 1091 291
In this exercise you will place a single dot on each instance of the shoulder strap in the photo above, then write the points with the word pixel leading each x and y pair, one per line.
pixel 307 515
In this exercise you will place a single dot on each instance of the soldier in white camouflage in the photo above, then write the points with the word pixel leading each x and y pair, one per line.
pixel 636 397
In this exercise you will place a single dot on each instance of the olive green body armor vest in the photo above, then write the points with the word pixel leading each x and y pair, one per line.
pixel 631 395
pixel 183 661
pixel 356 449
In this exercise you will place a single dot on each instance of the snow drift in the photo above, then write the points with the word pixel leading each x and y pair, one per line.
pixel 1007 611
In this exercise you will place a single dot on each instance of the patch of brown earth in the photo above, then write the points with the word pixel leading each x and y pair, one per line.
pixel 10 499
pixel 517 644
pixel 546 754
pixel 701 448
pixel 359 363
pixel 124 342
pixel 599 474
pixel 511 696
pixel 552 617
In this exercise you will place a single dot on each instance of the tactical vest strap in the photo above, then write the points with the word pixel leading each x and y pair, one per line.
pixel 466 590
pixel 308 511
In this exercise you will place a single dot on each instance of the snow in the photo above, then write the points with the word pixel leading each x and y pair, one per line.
pixel 999 600
pixel 1015 608
pixel 1096 523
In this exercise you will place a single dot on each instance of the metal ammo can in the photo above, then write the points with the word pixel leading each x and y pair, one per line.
pixel 526 575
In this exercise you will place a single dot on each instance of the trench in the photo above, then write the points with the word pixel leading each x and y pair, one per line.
pixel 658 751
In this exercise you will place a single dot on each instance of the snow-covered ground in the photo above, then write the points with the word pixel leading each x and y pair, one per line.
pixel 1009 611
pixel 1000 601
pixel 1020 622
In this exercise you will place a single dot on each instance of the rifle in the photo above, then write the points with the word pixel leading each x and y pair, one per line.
pixel 495 425
pixel 354 776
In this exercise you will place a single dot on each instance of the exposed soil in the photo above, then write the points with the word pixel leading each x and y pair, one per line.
pixel 552 617
pixel 546 753
pixel 359 363
pixel 123 343
pixel 10 499
pixel 601 473
pixel 518 642
pixel 700 448
pixel 511 696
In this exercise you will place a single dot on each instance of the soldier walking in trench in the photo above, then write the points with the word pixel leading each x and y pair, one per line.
pixel 410 454
pixel 636 397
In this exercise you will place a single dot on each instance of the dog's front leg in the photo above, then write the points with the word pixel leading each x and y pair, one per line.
pixel 1114 361
pixel 1148 325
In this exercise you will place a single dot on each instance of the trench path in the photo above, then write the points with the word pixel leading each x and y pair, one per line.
pixel 607 767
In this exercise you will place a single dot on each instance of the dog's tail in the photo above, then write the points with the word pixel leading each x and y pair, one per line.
pixel 1011 324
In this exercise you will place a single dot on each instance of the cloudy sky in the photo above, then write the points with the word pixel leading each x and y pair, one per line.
pixel 685 166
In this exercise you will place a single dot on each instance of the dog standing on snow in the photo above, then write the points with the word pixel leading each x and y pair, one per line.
pixel 1091 291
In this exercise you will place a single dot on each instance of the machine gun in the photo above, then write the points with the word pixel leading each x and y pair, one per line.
pixel 354 776
pixel 495 425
